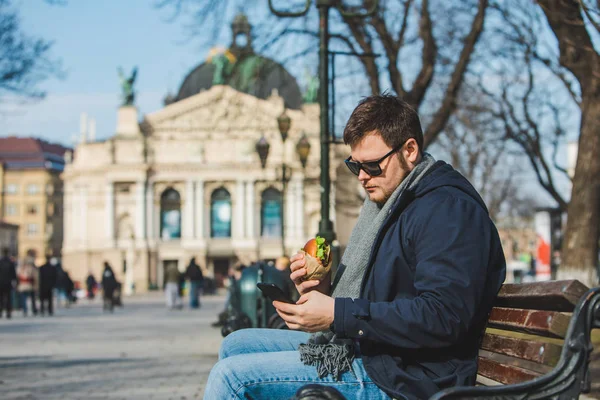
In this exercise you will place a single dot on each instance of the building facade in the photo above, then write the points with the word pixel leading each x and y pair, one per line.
pixel 31 194
pixel 187 181
pixel 9 238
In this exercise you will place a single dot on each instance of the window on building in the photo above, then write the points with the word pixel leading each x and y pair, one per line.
pixel 49 230
pixel 11 210
pixel 32 209
pixel 170 214
pixel 32 229
pixel 33 188
pixel 50 189
pixel 11 188
pixel 270 213
pixel 122 187
pixel 50 209
pixel 220 213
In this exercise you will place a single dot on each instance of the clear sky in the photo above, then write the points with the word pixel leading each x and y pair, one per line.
pixel 92 38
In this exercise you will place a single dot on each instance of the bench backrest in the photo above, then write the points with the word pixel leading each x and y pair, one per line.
pixel 526 330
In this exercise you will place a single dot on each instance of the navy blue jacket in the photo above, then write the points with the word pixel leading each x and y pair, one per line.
pixel 434 271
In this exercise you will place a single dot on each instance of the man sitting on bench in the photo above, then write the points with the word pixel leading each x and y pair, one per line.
pixel 412 293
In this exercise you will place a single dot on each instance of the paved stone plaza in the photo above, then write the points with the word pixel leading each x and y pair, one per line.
pixel 142 351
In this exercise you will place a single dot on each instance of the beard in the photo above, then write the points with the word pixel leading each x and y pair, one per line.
pixel 382 194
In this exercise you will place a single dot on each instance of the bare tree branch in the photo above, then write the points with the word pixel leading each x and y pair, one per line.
pixel 428 58
pixel 449 102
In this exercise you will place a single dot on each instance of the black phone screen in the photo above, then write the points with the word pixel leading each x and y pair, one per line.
pixel 274 292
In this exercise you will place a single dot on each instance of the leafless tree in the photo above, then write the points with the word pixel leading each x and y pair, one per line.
pixel 536 112
pixel 474 146
pixel 437 38
pixel 24 61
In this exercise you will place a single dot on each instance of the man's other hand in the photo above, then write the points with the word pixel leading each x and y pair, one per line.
pixel 313 312
pixel 298 269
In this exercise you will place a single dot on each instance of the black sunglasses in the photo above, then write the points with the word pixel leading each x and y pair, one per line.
pixel 370 167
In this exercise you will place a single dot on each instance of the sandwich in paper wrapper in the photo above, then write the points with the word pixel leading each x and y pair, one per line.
pixel 317 256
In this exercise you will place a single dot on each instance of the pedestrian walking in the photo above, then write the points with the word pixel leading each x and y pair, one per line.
pixel 47 275
pixel 90 284
pixel 8 281
pixel 69 289
pixel 109 283
pixel 27 276
pixel 194 274
pixel 61 286
pixel 172 276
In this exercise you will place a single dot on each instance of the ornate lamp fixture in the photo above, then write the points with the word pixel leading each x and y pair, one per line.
pixel 284 122
pixel 262 148
pixel 303 149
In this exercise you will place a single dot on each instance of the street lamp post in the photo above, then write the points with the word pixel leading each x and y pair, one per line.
pixel 325 225
pixel 283 122
pixel 302 149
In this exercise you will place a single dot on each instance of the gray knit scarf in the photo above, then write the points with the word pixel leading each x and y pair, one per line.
pixel 330 354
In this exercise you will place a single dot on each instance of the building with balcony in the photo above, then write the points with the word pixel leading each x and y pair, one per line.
pixel 31 194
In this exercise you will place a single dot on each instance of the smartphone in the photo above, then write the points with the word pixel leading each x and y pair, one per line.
pixel 274 292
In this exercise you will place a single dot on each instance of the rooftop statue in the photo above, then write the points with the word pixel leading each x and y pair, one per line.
pixel 128 93
pixel 311 94
pixel 223 60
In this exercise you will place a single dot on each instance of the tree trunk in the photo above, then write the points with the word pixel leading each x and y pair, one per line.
pixel 580 246
pixel 577 54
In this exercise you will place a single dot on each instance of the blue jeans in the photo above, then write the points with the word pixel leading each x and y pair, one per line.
pixel 23 297
pixel 195 291
pixel 265 364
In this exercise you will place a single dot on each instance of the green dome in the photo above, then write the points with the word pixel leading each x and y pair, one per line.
pixel 243 70
pixel 253 74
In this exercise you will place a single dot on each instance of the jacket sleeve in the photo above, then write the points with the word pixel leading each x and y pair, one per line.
pixel 452 248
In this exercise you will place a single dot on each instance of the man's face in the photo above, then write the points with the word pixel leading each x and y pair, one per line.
pixel 379 188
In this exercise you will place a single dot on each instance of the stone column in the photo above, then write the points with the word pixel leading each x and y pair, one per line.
pixel 187 217
pixel 290 212
pixel 238 216
pixel 83 216
pixel 150 230
pixel 250 211
pixel 140 210
pixel 129 272
pixel 110 213
pixel 199 214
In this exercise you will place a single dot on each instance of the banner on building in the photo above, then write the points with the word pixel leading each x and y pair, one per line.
pixel 542 230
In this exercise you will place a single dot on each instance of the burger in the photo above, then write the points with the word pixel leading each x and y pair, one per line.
pixel 317 256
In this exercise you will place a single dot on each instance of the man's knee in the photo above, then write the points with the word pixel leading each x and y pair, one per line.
pixel 235 343
pixel 224 379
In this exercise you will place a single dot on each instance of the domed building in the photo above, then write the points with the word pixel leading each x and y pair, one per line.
pixel 242 69
pixel 201 177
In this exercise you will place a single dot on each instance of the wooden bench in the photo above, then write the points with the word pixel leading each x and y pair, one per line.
pixel 537 344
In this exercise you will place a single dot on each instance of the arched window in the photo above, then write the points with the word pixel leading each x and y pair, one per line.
pixel 220 213
pixel 170 215
pixel 270 213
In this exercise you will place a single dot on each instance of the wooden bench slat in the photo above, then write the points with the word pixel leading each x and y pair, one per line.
pixel 483 381
pixel 550 296
pixel 503 373
pixel 545 323
pixel 543 353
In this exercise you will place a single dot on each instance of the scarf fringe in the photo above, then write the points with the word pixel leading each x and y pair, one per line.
pixel 330 359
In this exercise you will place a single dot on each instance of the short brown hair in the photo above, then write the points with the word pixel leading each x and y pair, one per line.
pixel 394 119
